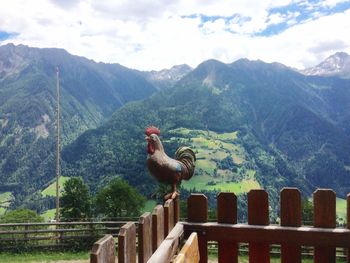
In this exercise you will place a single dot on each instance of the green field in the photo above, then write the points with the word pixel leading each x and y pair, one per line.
pixel 80 257
pixel 212 148
pixel 341 209
pixel 45 257
pixel 51 189
pixel 5 200
pixel 49 214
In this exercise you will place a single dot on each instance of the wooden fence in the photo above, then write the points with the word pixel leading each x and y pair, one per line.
pixel 323 236
pixel 159 235
pixel 56 235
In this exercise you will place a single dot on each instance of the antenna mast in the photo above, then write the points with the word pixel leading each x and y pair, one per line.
pixel 58 147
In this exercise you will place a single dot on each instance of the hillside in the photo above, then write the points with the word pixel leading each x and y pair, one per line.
pixel 90 93
pixel 286 129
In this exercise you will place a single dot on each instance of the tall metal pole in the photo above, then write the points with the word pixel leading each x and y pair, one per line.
pixel 58 147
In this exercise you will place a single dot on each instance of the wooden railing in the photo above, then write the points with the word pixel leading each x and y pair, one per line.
pixel 159 235
pixel 323 236
pixel 56 235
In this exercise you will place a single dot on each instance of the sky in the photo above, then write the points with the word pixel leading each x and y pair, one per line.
pixel 158 34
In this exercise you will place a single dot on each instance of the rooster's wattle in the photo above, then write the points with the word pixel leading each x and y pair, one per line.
pixel 164 168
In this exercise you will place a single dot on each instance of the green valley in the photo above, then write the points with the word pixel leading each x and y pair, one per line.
pixel 221 164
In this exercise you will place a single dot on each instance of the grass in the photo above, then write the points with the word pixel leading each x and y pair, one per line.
pixel 341 208
pixel 49 214
pixel 201 183
pixel 245 259
pixel 5 200
pixel 43 257
pixel 51 189
pixel 211 148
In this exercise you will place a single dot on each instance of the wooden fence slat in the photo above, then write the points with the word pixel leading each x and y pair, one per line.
pixel 127 243
pixel 324 216
pixel 103 250
pixel 272 234
pixel 190 251
pixel 258 214
pixel 167 249
pixel 144 237
pixel 348 222
pixel 290 216
pixel 197 211
pixel 227 213
pixel 168 216
pixel 176 210
pixel 157 227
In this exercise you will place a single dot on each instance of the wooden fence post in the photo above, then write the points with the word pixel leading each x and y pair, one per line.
pixel 176 210
pixel 103 251
pixel 290 216
pixel 157 227
pixel 197 211
pixel 324 216
pixel 144 237
pixel 348 222
pixel 258 214
pixel 227 214
pixel 168 216
pixel 127 243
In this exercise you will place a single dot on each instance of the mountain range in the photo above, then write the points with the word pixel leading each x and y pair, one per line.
pixel 90 93
pixel 290 129
pixel 250 122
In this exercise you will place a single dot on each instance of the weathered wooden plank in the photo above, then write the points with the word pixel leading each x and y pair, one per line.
pixel 197 211
pixel 324 216
pixel 190 251
pixel 127 243
pixel 168 216
pixel 258 214
pixel 103 250
pixel 290 216
pixel 272 234
pixel 227 213
pixel 169 246
pixel 144 237
pixel 157 227
pixel 176 210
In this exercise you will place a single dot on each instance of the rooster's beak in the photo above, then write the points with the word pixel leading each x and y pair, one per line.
pixel 147 138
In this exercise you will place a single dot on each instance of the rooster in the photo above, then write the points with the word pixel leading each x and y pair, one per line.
pixel 164 168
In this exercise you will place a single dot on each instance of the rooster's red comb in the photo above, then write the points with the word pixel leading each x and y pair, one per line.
pixel 152 130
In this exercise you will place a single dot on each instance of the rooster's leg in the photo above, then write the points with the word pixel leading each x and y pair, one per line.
pixel 173 194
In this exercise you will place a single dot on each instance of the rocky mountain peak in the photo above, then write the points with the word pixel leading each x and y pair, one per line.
pixel 337 64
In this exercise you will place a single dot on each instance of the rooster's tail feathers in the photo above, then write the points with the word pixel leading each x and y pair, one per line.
pixel 188 158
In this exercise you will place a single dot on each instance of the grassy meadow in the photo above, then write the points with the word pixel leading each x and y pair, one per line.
pixel 211 150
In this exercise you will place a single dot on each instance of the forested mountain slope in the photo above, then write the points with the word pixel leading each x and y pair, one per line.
pixel 258 122
pixel 90 93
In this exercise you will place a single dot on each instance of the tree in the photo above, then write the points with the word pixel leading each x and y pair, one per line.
pixel 118 198
pixel 307 213
pixel 76 200
pixel 21 216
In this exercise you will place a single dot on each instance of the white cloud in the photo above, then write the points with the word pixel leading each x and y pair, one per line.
pixel 158 34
